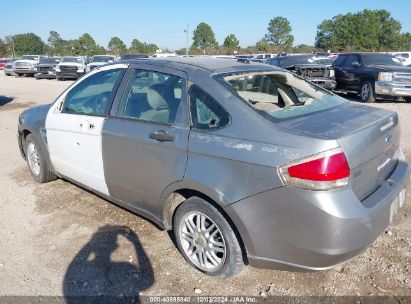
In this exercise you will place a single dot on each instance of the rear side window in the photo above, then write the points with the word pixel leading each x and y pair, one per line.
pixel 206 112
pixel 92 96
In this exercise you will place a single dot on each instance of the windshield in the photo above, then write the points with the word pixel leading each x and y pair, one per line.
pixel 49 60
pixel 281 95
pixel 293 60
pixel 102 59
pixel 29 57
pixel 72 59
pixel 380 59
pixel 325 61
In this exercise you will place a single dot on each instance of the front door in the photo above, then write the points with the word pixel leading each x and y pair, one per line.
pixel 145 139
pixel 74 125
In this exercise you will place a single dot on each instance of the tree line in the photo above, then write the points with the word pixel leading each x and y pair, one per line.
pixel 367 30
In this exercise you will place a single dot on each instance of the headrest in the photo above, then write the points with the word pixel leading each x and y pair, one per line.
pixel 155 97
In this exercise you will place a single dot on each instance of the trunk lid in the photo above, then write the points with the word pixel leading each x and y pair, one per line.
pixel 368 136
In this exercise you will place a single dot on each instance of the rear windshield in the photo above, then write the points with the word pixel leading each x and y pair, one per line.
pixel 278 95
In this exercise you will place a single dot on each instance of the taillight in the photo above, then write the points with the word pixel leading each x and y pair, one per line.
pixel 324 171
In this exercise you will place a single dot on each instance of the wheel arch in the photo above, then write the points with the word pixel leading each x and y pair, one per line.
pixel 180 194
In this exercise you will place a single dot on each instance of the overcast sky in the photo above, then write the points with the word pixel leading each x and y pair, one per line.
pixel 163 22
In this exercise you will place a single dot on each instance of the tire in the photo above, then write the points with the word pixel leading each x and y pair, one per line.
pixel 407 99
pixel 36 161
pixel 214 249
pixel 367 92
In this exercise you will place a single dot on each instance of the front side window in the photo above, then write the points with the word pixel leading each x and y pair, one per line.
pixel 351 59
pixel 280 95
pixel 206 112
pixel 381 59
pixel 92 96
pixel 152 96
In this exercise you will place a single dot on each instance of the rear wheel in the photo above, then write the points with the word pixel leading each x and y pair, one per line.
pixel 206 239
pixel 37 162
pixel 367 92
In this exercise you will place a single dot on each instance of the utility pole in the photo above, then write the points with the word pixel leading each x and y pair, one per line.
pixel 187 32
pixel 12 45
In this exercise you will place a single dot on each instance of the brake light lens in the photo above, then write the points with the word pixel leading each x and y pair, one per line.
pixel 324 171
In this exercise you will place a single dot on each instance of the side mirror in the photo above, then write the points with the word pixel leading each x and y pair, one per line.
pixel 355 64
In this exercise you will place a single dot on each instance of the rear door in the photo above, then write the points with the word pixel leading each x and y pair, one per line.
pixel 146 137
pixel 350 75
pixel 74 126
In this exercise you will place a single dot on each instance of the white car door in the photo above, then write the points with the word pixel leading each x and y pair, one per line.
pixel 74 124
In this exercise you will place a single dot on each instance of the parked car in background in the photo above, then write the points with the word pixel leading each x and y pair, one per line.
pixel 99 60
pixel 306 67
pixel 133 56
pixel 309 183
pixel 405 57
pixel 3 62
pixel 71 67
pixel 372 76
pixel 26 64
pixel 46 68
pixel 9 67
pixel 262 57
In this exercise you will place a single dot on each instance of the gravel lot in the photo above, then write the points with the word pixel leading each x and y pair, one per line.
pixel 57 239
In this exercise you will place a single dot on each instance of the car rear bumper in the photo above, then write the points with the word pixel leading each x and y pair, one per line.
pixel 392 88
pixel 296 229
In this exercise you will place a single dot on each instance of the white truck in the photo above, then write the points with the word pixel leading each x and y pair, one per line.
pixel 26 64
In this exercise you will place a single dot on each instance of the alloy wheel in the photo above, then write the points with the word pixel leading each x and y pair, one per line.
pixel 33 158
pixel 202 241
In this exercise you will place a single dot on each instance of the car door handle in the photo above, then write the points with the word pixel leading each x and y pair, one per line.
pixel 162 135
pixel 86 125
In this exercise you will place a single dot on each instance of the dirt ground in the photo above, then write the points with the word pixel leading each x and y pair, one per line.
pixel 57 239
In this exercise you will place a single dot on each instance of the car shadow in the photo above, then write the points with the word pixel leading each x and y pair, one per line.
pixel 5 100
pixel 93 277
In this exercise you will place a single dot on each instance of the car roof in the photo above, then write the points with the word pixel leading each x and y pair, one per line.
pixel 210 64
pixel 362 53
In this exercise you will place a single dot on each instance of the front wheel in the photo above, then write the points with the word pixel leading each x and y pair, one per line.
pixel 206 239
pixel 37 162
pixel 367 92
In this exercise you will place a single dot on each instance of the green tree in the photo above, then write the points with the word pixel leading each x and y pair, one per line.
pixel 141 47
pixel 88 46
pixel 137 46
pixel 57 45
pixel 203 37
pixel 3 48
pixel 28 44
pixel 231 42
pixel 116 46
pixel 304 48
pixel 367 30
pixel 262 46
pixel 279 33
